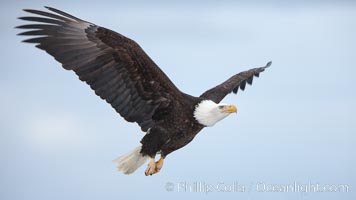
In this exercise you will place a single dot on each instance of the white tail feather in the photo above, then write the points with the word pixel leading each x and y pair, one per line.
pixel 131 161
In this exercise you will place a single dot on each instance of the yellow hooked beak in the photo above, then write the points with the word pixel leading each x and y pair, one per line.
pixel 230 109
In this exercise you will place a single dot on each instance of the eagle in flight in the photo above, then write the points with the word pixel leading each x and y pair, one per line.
pixel 123 75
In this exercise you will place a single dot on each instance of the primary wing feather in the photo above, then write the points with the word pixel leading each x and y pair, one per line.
pixel 115 67
pixel 233 84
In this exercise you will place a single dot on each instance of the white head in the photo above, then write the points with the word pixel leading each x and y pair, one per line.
pixel 208 112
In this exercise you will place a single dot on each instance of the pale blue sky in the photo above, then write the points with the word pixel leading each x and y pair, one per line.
pixel 295 124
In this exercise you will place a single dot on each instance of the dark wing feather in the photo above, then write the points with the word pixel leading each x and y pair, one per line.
pixel 115 67
pixel 233 84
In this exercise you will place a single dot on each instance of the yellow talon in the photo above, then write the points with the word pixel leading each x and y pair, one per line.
pixel 159 164
pixel 154 167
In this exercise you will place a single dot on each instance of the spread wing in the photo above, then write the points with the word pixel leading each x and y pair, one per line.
pixel 233 84
pixel 115 67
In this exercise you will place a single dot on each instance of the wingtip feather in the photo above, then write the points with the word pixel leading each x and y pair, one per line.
pixel 268 64
pixel 48 7
pixel 18 27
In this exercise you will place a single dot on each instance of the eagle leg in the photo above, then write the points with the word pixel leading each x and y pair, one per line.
pixel 151 167
pixel 154 167
pixel 159 164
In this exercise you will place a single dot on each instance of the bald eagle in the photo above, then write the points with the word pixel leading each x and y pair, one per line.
pixel 123 75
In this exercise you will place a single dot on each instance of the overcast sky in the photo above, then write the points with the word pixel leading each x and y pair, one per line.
pixel 296 123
